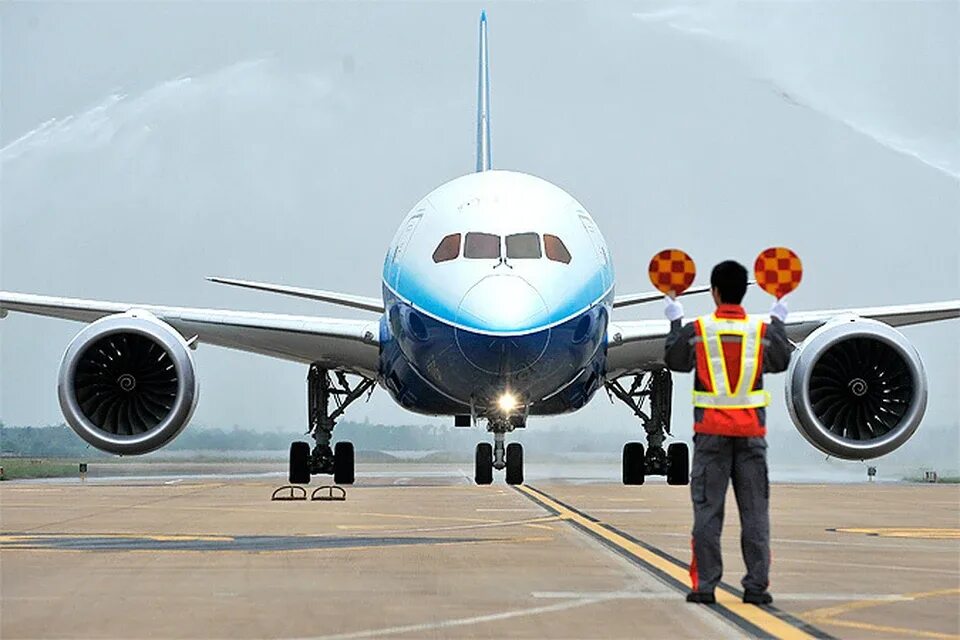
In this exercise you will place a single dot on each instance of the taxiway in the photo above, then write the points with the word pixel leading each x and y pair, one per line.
pixel 420 552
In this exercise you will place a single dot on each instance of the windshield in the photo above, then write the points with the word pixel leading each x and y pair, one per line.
pixel 523 245
pixel 481 245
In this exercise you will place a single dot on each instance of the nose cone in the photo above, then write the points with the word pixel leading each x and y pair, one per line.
pixel 499 318
pixel 504 304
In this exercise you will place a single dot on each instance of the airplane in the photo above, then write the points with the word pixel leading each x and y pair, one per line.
pixel 497 296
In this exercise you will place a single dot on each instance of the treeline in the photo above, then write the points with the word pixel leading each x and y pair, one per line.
pixel 49 442
pixel 934 447
pixel 61 441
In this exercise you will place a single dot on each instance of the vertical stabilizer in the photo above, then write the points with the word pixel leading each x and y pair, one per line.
pixel 483 101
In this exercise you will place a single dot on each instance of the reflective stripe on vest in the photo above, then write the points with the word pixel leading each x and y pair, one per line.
pixel 712 330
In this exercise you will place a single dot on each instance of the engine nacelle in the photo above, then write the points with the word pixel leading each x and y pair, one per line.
pixel 856 388
pixel 127 383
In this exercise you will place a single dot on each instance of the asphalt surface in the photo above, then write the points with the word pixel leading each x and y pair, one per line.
pixel 419 552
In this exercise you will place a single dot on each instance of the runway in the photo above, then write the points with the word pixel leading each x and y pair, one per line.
pixel 418 551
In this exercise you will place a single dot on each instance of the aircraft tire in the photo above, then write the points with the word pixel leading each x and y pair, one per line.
pixel 633 463
pixel 343 463
pixel 299 463
pixel 514 463
pixel 483 465
pixel 678 464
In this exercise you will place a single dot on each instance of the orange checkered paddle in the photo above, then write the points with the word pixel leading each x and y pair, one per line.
pixel 778 271
pixel 672 270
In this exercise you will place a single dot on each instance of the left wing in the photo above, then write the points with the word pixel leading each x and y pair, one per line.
pixel 343 345
pixel 637 345
pixel 343 299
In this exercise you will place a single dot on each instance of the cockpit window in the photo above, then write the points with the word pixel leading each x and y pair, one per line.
pixel 555 249
pixel 481 245
pixel 448 249
pixel 523 245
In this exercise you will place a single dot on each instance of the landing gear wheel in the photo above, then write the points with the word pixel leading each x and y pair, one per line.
pixel 299 463
pixel 343 463
pixel 633 460
pixel 483 465
pixel 514 463
pixel 678 463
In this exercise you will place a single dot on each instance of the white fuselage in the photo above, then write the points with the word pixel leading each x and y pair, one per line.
pixel 500 273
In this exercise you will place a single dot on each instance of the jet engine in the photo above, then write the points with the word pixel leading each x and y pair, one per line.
pixel 856 388
pixel 127 383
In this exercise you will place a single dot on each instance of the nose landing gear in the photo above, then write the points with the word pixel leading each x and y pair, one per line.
pixel 498 456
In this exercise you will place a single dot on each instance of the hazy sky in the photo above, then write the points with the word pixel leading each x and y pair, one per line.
pixel 147 145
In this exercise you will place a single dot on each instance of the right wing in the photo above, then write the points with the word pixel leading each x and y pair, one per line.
pixel 650 296
pixel 344 345
pixel 637 345
pixel 628 299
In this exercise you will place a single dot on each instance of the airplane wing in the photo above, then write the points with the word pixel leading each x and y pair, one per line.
pixel 629 299
pixel 333 297
pixel 650 296
pixel 637 345
pixel 345 345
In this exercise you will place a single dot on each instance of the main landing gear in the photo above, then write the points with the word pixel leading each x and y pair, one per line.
pixel 655 387
pixel 339 460
pixel 496 456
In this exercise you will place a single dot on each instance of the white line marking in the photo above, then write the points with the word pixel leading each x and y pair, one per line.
pixel 892 567
pixel 873 597
pixel 528 510
pixel 620 510
pixel 847 542
pixel 837 563
pixel 482 525
pixel 607 595
pixel 463 622
pixel 673 595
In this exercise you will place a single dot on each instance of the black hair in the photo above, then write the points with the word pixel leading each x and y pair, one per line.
pixel 729 278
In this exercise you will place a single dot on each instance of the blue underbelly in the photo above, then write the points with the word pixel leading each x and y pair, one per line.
pixel 432 367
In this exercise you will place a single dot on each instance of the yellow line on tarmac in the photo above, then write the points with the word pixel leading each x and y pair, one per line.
pixel 407 516
pixel 926 533
pixel 156 537
pixel 828 615
pixel 758 617
pixel 879 628
pixel 840 609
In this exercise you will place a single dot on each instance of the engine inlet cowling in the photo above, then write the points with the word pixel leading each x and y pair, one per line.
pixel 856 389
pixel 127 384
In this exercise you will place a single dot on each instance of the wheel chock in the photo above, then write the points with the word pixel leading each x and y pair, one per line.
pixel 329 492
pixel 295 493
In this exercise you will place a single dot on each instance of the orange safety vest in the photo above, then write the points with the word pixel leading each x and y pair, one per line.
pixel 729 348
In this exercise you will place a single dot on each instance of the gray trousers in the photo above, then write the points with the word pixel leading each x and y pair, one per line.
pixel 716 461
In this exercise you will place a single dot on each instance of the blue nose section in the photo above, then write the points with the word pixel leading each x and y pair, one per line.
pixel 502 304
pixel 503 355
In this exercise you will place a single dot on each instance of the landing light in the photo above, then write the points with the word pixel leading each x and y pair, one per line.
pixel 507 402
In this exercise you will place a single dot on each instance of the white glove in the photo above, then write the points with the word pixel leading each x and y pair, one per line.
pixel 779 310
pixel 673 310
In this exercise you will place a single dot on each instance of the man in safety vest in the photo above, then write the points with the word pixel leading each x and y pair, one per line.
pixel 730 352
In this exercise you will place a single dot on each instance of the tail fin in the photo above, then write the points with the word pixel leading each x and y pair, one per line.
pixel 483 101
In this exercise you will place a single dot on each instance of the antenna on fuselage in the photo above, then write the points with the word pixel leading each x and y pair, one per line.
pixel 483 101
